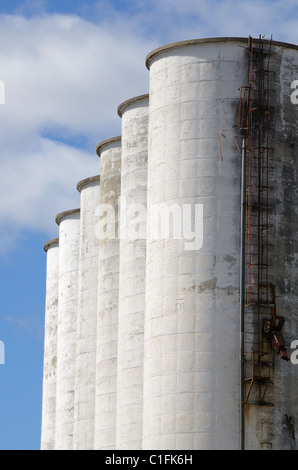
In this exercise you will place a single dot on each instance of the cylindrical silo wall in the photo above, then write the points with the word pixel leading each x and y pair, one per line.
pixel 84 397
pixel 50 347
pixel 69 237
pixel 134 113
pixel 191 364
pixel 266 427
pixel 108 291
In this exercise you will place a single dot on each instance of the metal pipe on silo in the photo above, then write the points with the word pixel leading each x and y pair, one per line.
pixel 134 114
pixel 242 291
pixel 84 393
pixel 69 238
pixel 109 152
pixel 191 366
pixel 50 346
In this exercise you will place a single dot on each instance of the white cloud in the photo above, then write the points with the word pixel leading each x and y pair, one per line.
pixel 36 186
pixel 175 20
pixel 66 71
pixel 32 324
pixel 65 76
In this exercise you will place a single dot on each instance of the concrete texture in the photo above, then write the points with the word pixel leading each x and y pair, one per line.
pixel 134 113
pixel 216 40
pixel 84 393
pixel 50 347
pixel 109 152
pixel 69 237
pixel 266 427
pixel 167 364
pixel 191 365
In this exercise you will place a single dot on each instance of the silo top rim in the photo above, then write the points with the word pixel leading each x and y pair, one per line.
pixel 130 101
pixel 92 179
pixel 192 42
pixel 61 215
pixel 107 142
pixel 47 245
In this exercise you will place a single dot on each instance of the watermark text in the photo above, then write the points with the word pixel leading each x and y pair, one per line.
pixel 2 353
pixel 294 355
pixel 2 92
pixel 157 222
pixel 294 94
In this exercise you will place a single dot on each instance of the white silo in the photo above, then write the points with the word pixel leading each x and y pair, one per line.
pixel 271 407
pixel 69 238
pixel 84 392
pixel 191 367
pixel 134 114
pixel 109 152
pixel 50 346
pixel 221 257
pixel 201 390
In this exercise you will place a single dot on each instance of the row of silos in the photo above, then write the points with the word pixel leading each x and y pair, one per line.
pixel 84 291
pixel 143 332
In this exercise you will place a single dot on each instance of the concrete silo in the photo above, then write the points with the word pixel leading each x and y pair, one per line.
pixel 50 346
pixel 69 238
pixel 196 378
pixel 134 114
pixel 271 276
pixel 109 152
pixel 84 392
pixel 194 326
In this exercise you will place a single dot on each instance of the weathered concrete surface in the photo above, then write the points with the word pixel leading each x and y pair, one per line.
pixel 191 329
pixel 191 364
pixel 69 238
pixel 50 347
pixel 86 333
pixel 108 291
pixel 134 113
pixel 266 427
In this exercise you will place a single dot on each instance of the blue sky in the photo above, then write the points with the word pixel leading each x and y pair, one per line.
pixel 66 66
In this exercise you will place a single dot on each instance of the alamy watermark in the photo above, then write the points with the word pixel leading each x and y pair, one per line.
pixel 157 222
pixel 294 355
pixel 2 353
pixel 294 94
pixel 2 92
